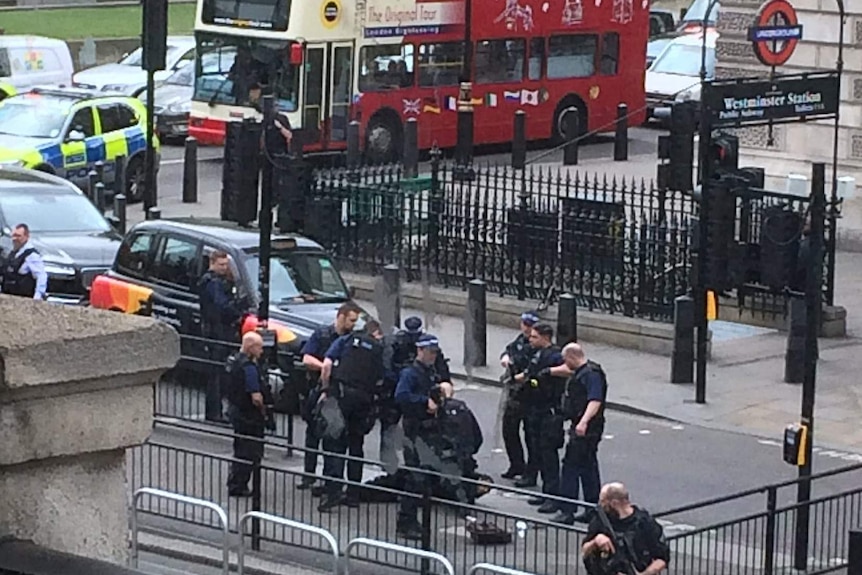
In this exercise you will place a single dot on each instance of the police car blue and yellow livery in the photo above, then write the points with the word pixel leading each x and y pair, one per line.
pixel 6 90
pixel 65 131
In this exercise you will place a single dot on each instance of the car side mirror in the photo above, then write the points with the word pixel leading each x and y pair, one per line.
pixel 75 136
pixel 351 292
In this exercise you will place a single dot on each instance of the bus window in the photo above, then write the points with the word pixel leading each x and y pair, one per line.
pixel 500 61
pixel 572 56
pixel 385 67
pixel 537 57
pixel 440 64
pixel 610 54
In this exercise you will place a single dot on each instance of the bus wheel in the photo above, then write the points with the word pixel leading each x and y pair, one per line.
pixel 566 107
pixel 382 140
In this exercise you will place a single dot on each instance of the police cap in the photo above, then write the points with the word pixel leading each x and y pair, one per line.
pixel 530 318
pixel 428 341
pixel 413 324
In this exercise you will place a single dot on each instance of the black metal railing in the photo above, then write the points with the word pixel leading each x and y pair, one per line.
pixel 618 245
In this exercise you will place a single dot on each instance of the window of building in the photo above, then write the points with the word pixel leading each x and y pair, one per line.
pixel 177 262
pixel 83 122
pixel 572 56
pixel 537 58
pixel 500 61
pixel 385 67
pixel 610 54
pixel 440 64
pixel 134 255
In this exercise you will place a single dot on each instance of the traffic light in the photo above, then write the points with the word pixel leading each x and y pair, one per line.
pixel 241 172
pixel 155 35
pixel 720 224
pixel 780 232
pixel 724 153
pixel 678 149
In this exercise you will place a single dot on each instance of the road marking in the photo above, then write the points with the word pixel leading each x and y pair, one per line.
pixel 609 436
pixel 644 432
pixel 178 161
pixel 834 454
pixel 497 450
pixel 678 427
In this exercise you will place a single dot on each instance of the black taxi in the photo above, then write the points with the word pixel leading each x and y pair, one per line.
pixel 160 262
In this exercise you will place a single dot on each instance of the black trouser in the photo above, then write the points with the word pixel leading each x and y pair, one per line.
pixel 245 449
pixel 581 470
pixel 218 380
pixel 355 405
pixel 312 441
pixel 513 416
pixel 417 484
pixel 544 439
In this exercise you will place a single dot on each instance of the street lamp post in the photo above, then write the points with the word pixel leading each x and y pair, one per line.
pixel 464 145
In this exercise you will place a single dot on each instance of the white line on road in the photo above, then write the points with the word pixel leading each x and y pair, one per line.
pixel 678 427
pixel 644 432
pixel 834 454
pixel 177 161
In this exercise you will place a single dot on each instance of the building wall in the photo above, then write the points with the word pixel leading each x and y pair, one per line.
pixel 796 146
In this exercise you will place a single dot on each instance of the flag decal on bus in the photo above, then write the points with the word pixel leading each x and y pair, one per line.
pixel 530 97
pixel 512 96
pixel 491 100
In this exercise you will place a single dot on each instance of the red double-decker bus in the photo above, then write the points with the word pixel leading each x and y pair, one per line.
pixel 382 62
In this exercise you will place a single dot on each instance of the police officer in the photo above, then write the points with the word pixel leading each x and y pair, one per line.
pixel 514 360
pixel 413 395
pixel 313 355
pixel 23 269
pixel 461 438
pixel 247 411
pixel 405 350
pixel 646 550
pixel 542 389
pixel 584 404
pixel 352 372
pixel 220 316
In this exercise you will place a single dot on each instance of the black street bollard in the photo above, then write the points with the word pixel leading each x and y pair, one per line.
pixel 567 320
pixel 411 148
pixel 682 356
pixel 854 552
pixel 100 198
pixel 92 180
pixel 100 171
pixel 476 326
pixel 119 175
pixel 621 137
pixel 571 129
pixel 794 357
pixel 190 171
pixel 519 141
pixel 353 153
pixel 464 143
pixel 154 213
pixel 388 300
pixel 120 212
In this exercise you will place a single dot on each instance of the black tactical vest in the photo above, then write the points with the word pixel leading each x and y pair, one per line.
pixel 361 364
pixel 15 283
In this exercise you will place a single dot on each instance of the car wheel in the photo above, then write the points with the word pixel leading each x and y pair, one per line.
pixel 135 180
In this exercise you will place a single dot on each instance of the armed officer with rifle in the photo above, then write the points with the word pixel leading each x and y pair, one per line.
pixel 623 539
pixel 514 360
pixel 250 411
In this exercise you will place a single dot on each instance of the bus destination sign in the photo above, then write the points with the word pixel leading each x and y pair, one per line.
pixel 738 103
pixel 385 18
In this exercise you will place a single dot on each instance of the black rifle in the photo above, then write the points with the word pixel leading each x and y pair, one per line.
pixel 622 560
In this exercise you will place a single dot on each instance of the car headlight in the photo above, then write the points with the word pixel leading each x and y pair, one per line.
pixel 55 269
pixel 179 107
pixel 687 95
pixel 115 88
pixel 16 163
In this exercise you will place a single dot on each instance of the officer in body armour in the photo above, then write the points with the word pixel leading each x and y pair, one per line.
pixel 540 393
pixel 313 355
pixel 352 372
pixel 584 405
pixel 23 269
pixel 221 312
pixel 248 401
pixel 457 441
pixel 514 360
pixel 413 395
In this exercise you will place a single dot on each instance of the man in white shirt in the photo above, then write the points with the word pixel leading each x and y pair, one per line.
pixel 23 270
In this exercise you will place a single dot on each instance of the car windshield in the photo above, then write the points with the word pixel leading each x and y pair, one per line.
pixel 47 212
pixel 300 277
pixel 697 11
pixel 185 76
pixel 136 58
pixel 235 70
pixel 684 60
pixel 20 117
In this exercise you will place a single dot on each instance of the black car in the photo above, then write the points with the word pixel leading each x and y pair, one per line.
pixel 75 240
pixel 158 267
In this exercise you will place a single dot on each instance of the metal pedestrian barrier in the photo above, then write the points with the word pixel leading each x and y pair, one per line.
pixel 398 549
pixel 188 501
pixel 496 569
pixel 326 535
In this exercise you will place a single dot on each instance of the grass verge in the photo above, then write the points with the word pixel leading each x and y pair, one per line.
pixel 95 22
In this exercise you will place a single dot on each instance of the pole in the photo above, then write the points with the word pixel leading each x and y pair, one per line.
pixel 265 218
pixel 150 195
pixel 465 93
pixel 833 222
pixel 813 283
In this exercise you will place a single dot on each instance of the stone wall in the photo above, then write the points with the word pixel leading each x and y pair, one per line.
pixel 76 390
pixel 796 146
